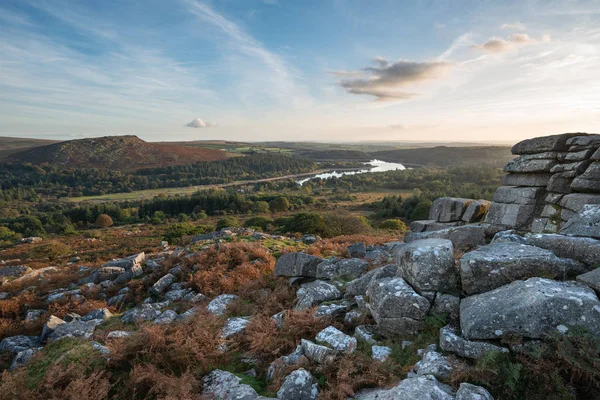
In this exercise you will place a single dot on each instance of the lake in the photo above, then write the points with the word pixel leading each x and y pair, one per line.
pixel 372 166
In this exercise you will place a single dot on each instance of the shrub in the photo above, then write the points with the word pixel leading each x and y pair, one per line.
pixel 259 222
pixel 104 221
pixel 279 204
pixel 181 229
pixel 51 250
pixel 337 224
pixel 312 223
pixel 393 225
pixel 228 222
pixel 261 207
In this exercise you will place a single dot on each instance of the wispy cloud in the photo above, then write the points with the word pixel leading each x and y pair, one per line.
pixel 519 26
pixel 516 40
pixel 389 81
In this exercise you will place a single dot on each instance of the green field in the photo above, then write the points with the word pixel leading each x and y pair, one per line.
pixel 136 195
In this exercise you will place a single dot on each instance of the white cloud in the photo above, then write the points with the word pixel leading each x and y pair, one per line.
pixel 389 81
pixel 200 123
pixel 516 40
pixel 519 26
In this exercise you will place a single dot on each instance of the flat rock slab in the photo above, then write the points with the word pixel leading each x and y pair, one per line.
pixel 530 179
pixel 589 181
pixel 585 223
pixel 413 388
pixel 450 341
pixel 515 216
pixel 500 263
pixel 297 264
pixel 428 265
pixel 535 309
pixel 591 279
pixel 576 201
pixel 582 249
pixel 448 209
pixel 360 285
pixel 518 195
pixel 476 211
pixel 337 339
pixel 312 293
pixel 223 385
pixel 544 144
pixel 341 269
pixel 524 165
pixel 466 236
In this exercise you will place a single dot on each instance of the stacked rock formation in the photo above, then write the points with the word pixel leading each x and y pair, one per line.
pixel 550 182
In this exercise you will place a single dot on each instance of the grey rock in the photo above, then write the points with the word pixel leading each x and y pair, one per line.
pixel 233 326
pixel 104 274
pixel 353 316
pixel 79 329
pixel 585 223
pixel 544 144
pixel 365 334
pixel 162 284
pixel 500 263
pixel 178 294
pixel 583 139
pixel 16 344
pixel 589 181
pixel 101 348
pixel 432 225
pixel 536 180
pixel 596 156
pixel 341 269
pixel 357 250
pixel 218 305
pixel 582 249
pixel 127 262
pixel 509 236
pixel 516 216
pixel 576 201
pixel 332 310
pixel 591 279
pixel 561 182
pixel 533 309
pixel 223 385
pixel 412 388
pixel 297 264
pixel 433 363
pixel 22 358
pixel 50 326
pixel 447 209
pixel 524 165
pixel 579 155
pixel 578 166
pixel 446 304
pixel 143 312
pixel 99 313
pixel 34 315
pixel 476 211
pixel 381 353
pixel 467 391
pixel 518 195
pixel 396 307
pixel 317 353
pixel 278 319
pixel 462 237
pixel 118 334
pixel 14 271
pixel 359 286
pixel 299 385
pixel 337 339
pixel 312 293
pixel 310 239
pixel 283 362
pixel 451 342
pixel 167 317
pixel 428 265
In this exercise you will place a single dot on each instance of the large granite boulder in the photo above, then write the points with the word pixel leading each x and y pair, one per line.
pixel 312 293
pixel 526 165
pixel 467 391
pixel 500 263
pixel 360 285
pixel 417 387
pixel 341 269
pixel 143 312
pixel 585 223
pixel 447 209
pixel 576 201
pixel 531 179
pixel 515 216
pixel 451 342
pixel 79 329
pixel 297 264
pixel 428 265
pixel 589 181
pixel 162 284
pixel 476 211
pixel 434 363
pixel 218 305
pixel 337 339
pixel 591 279
pixel 223 385
pixel 466 236
pixel 16 344
pixel 535 308
pixel 544 144
pixel 299 385
pixel 14 271
pixel 317 353
pixel 582 249
pixel 518 195
pixel 396 307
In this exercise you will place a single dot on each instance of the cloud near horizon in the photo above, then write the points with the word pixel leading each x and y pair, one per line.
pixel 388 81
pixel 499 45
pixel 200 123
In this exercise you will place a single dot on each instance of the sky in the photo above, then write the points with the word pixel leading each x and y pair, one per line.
pixel 299 70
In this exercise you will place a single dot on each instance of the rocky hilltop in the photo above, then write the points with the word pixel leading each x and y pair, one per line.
pixel 470 305
pixel 126 153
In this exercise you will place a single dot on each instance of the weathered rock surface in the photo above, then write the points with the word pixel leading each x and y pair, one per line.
pixel 589 181
pixel 337 339
pixel 544 144
pixel 223 385
pixel 341 269
pixel 446 304
pixel 359 286
pixel 585 250
pixel 316 352
pixel 396 307
pixel 418 387
pixel 518 195
pixel 591 279
pixel 299 385
pixel 525 165
pixel 500 263
pixel 433 363
pixel 233 326
pixel 14 271
pixel 162 284
pixel 218 305
pixel 381 353
pixel 466 236
pixel 357 250
pixel 297 264
pixel 167 317
pixel 585 223
pixel 476 211
pixel 428 265
pixel 516 216
pixel 80 329
pixel 447 209
pixel 534 309
pixel 19 343
pixel 467 391
pixel 451 342
pixel 535 180
pixel 312 293
pixel 143 312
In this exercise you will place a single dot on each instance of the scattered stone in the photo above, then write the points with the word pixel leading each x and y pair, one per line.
pixel 433 363
pixel 446 304
pixel 233 326
pixel 509 236
pixel 223 385
pixel 585 250
pixel 332 310
pixel 80 329
pixel 451 342
pixel 162 284
pixel 534 308
pixel 179 294
pixel 50 326
pixel 297 264
pixel 428 265
pixel 32 239
pixel 143 312
pixel 299 385
pixel 14 271
pixel 353 316
pixel 99 313
pixel 381 353
pixel 218 305
pixel 310 239
pixel 317 353
pixel 357 250
pixel 359 286
pixel 34 315
pixel 283 362
pixel 18 343
pixel 337 339
pixel 365 334
pixel 167 317
pixel 585 223
pixel 101 348
pixel 22 358
pixel 312 293
pixel 500 263
pixel 341 269
pixel 118 334
pixel 415 387
pixel 396 307
pixel 467 391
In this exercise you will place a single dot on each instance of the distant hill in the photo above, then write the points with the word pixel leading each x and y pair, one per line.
pixel 446 156
pixel 126 153
pixel 11 145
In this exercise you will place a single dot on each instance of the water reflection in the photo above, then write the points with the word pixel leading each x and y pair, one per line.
pixel 376 166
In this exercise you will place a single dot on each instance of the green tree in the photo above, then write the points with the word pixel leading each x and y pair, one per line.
pixel 279 204
pixel 228 222
pixel 393 225
pixel 104 221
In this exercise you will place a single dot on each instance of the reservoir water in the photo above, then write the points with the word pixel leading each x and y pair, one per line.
pixel 371 166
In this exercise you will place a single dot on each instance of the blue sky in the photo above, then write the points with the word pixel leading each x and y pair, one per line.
pixel 338 70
